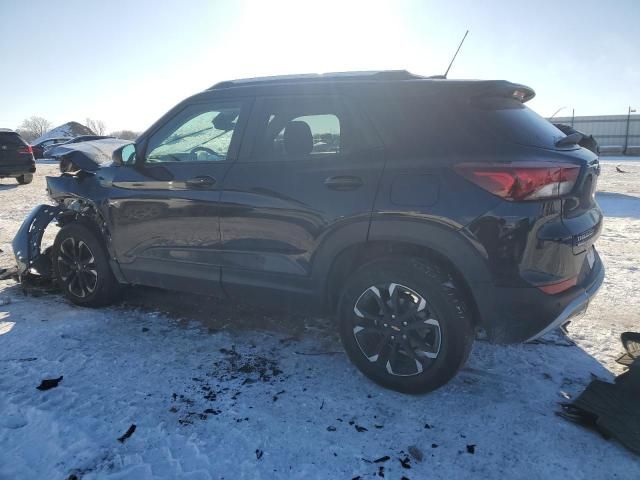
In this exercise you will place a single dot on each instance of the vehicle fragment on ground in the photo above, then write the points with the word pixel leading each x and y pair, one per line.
pixel 613 409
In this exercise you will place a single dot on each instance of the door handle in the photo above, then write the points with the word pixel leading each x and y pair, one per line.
pixel 204 181
pixel 343 182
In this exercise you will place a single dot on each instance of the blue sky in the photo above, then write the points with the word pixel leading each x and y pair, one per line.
pixel 127 62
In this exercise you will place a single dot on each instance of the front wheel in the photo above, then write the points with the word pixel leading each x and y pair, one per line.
pixel 24 179
pixel 405 324
pixel 81 266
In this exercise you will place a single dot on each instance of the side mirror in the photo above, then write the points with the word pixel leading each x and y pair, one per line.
pixel 125 155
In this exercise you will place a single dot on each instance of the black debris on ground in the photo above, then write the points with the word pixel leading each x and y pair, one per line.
pixel 405 462
pixel 471 448
pixel 434 445
pixel 48 384
pixel 128 433
pixel 381 472
pixel 331 428
pixel 259 454
pixel 382 459
pixel 427 426
pixel 416 453
pixel 360 429
pixel 612 409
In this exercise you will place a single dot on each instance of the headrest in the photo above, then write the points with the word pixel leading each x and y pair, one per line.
pixel 297 138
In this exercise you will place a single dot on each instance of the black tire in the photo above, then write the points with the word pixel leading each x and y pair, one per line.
pixel 24 179
pixel 89 283
pixel 444 321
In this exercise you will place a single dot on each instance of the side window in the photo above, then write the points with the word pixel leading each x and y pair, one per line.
pixel 301 128
pixel 200 133
pixel 324 129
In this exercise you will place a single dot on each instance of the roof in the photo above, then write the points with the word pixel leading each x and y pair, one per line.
pixel 372 75
pixel 6 130
pixel 360 80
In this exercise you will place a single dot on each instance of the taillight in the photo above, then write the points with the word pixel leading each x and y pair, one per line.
pixel 559 287
pixel 522 180
pixel 26 149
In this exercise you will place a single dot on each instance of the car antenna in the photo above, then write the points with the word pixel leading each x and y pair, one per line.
pixel 455 54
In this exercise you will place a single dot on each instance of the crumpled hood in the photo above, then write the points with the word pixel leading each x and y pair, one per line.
pixel 89 156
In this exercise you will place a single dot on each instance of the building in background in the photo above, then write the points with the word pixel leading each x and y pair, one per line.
pixel 616 134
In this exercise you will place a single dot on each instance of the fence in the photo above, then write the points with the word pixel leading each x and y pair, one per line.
pixel 612 132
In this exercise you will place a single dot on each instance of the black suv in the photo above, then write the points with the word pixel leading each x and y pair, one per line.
pixel 16 157
pixel 421 211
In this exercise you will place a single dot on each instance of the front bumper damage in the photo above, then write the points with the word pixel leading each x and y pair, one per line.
pixel 26 244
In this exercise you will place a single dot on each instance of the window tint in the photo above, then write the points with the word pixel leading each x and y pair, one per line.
pixel 11 139
pixel 514 122
pixel 300 128
pixel 197 134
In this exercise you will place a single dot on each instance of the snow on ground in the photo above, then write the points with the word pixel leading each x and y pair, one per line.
pixel 218 390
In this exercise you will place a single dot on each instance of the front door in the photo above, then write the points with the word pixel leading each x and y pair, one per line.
pixel 164 212
pixel 308 171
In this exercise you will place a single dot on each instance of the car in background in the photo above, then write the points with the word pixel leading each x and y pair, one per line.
pixel 50 152
pixel 40 147
pixel 16 157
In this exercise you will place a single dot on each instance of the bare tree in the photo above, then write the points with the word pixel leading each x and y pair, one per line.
pixel 96 126
pixel 34 127
pixel 124 134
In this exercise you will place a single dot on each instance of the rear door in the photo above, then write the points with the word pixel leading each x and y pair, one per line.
pixel 308 168
pixel 164 211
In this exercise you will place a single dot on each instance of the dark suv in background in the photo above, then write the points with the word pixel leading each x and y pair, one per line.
pixel 420 211
pixel 16 157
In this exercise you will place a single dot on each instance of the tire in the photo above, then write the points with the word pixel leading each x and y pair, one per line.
pixel 25 179
pixel 86 283
pixel 432 328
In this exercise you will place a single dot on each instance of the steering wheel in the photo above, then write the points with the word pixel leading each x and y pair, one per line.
pixel 195 151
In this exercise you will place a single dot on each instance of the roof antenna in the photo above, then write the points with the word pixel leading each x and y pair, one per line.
pixel 455 54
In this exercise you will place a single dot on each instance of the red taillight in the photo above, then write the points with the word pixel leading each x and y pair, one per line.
pixel 554 288
pixel 26 149
pixel 522 180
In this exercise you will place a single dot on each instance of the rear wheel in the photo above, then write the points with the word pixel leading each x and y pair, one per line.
pixel 404 323
pixel 81 266
pixel 24 179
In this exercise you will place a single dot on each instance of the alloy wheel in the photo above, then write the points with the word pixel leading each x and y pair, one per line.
pixel 396 329
pixel 77 267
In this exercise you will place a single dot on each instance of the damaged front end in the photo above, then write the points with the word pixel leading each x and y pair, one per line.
pixel 76 196
pixel 26 244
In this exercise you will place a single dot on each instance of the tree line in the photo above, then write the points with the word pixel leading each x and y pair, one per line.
pixel 34 127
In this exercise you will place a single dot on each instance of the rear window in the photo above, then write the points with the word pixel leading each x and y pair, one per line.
pixel 11 139
pixel 511 120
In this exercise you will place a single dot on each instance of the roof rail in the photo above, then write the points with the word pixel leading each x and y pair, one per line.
pixel 319 77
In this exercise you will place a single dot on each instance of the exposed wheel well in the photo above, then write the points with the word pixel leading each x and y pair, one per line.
pixel 353 257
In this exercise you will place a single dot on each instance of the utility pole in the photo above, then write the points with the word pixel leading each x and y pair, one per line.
pixel 573 116
pixel 626 136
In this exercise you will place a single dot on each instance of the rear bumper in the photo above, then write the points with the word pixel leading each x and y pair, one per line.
pixel 513 315
pixel 17 170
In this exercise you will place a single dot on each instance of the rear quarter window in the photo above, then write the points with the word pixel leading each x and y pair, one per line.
pixel 514 122
pixel 423 124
